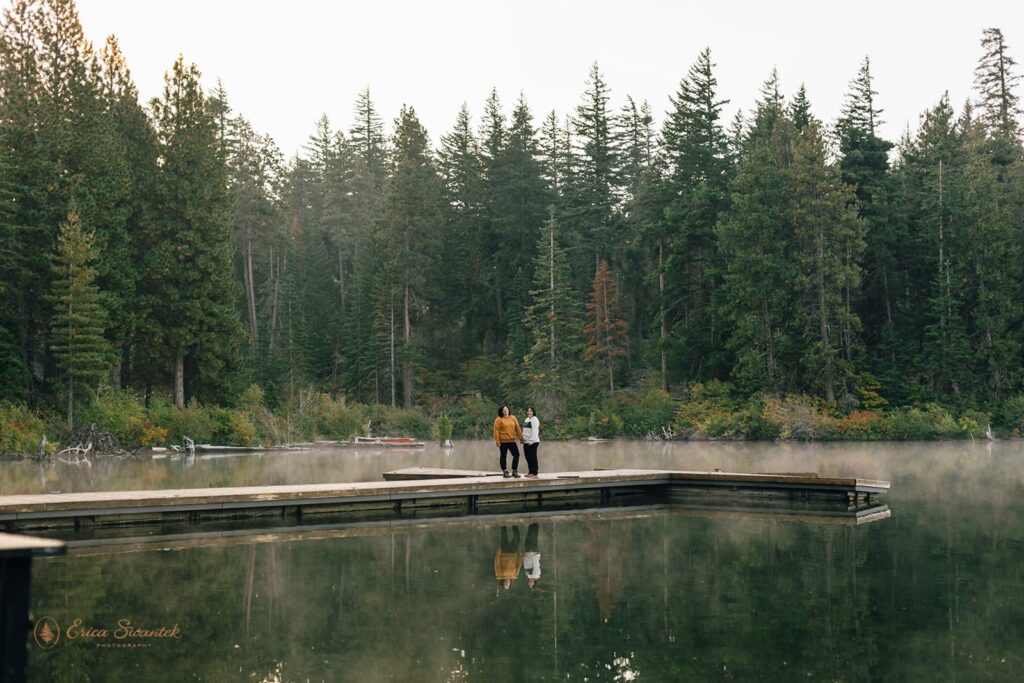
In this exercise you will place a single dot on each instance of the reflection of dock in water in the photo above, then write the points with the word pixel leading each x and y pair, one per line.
pixel 185 537
pixel 426 492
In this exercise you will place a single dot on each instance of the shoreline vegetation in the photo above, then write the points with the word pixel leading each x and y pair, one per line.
pixel 703 412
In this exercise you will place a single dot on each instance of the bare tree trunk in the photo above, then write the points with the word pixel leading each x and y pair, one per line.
pixel 406 339
pixel 341 277
pixel 770 345
pixel 179 380
pixel 661 304
pixel 71 404
pixel 885 290
pixel 607 335
pixel 250 289
pixel 822 318
pixel 391 341
pixel 275 287
pixel 551 277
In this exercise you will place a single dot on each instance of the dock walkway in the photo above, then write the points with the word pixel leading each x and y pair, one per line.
pixel 411 488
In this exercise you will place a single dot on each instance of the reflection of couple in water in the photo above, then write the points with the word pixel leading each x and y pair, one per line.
pixel 508 560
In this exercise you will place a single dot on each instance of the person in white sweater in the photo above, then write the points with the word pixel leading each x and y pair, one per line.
pixel 531 439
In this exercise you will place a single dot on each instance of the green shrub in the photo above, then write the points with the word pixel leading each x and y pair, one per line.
pixel 442 429
pixel 336 419
pixel 252 398
pixel 573 427
pixel 392 421
pixel 473 418
pixel 1012 413
pixel 798 417
pixel 862 425
pixel 604 425
pixel 154 436
pixel 194 421
pixel 21 430
pixel 646 413
pixel 242 432
pixel 932 422
pixel 117 412
pixel 707 411
pixel 973 423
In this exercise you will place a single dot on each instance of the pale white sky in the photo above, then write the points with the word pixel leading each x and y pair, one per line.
pixel 286 63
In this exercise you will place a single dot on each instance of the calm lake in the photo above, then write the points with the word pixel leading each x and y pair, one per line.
pixel 935 592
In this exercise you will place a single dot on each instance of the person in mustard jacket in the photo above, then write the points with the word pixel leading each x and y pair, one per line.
pixel 506 431
pixel 508 560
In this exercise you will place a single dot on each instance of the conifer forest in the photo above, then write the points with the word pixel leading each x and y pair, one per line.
pixel 601 264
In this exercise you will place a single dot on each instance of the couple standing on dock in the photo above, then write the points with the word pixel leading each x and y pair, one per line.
pixel 507 431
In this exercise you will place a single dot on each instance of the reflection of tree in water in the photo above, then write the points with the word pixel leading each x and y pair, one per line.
pixel 685 598
pixel 607 550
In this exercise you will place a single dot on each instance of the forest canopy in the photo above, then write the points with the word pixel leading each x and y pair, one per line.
pixel 169 250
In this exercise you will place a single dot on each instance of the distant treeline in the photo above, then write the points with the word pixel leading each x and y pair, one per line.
pixel 168 249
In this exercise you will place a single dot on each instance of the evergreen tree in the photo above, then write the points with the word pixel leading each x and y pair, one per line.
pixel 492 136
pixel 594 197
pixel 637 147
pixel 606 330
pixel 553 154
pixel 411 216
pixel 993 206
pixel 462 303
pixel 137 145
pixel 995 79
pixel 517 216
pixel 553 321
pixel 800 109
pixel 634 134
pixel 933 168
pixel 697 193
pixel 190 294
pixel 14 376
pixel 255 180
pixel 82 352
pixel 362 206
pixel 754 237
pixel 367 138
pixel 828 241
pixel 865 167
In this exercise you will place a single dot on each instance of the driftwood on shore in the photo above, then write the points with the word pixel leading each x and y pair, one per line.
pixel 87 441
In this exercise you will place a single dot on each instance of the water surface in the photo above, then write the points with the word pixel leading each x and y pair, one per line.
pixel 934 593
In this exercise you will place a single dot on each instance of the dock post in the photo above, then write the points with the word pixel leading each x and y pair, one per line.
pixel 16 554
pixel 472 503
pixel 606 496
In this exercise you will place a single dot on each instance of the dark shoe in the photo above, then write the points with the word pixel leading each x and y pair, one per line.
pixel 532 475
pixel 505 474
pixel 516 474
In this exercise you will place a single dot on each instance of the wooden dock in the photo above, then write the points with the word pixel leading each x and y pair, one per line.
pixel 415 489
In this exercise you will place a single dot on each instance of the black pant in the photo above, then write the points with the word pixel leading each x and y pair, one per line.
pixel 510 545
pixel 530 450
pixel 505 447
pixel 531 538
